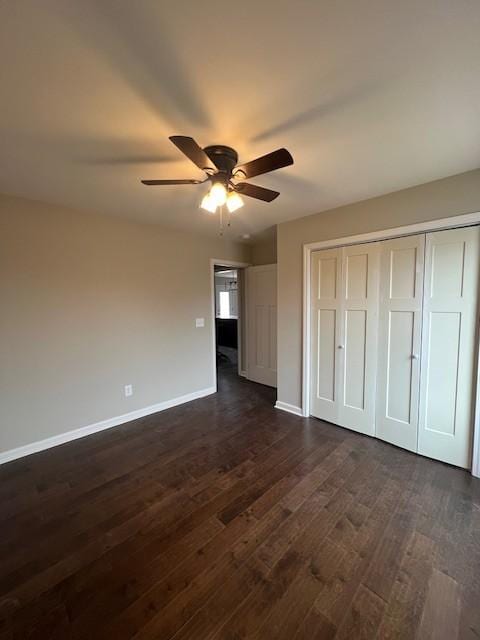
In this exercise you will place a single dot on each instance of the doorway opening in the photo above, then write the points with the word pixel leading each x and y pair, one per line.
pixel 244 303
pixel 228 307
pixel 228 318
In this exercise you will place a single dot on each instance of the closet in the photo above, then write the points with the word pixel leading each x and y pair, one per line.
pixel 393 340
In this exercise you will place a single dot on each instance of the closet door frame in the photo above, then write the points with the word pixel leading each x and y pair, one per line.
pixel 451 222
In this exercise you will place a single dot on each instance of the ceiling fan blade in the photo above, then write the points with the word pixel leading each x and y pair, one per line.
pixel 196 154
pixel 157 182
pixel 254 191
pixel 272 161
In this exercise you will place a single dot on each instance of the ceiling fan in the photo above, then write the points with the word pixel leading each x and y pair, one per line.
pixel 226 176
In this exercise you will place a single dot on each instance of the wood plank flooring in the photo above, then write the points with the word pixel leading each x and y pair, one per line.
pixel 226 519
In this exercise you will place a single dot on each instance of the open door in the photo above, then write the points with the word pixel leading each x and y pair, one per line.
pixel 262 324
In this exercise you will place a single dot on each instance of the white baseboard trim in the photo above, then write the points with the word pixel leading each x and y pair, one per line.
pixel 289 408
pixel 476 458
pixel 243 374
pixel 62 438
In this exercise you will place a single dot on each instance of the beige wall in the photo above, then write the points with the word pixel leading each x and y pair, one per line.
pixel 264 250
pixel 451 196
pixel 91 303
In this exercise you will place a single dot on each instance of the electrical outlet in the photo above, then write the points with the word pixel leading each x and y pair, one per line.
pixel 199 322
pixel 128 390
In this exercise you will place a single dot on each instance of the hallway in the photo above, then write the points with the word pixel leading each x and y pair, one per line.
pixel 225 518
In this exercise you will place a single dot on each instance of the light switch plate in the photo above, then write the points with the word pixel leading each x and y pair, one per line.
pixel 199 322
pixel 128 390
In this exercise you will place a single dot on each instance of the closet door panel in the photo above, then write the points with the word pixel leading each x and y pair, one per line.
pixel 358 344
pixel 400 373
pixel 449 345
pixel 355 356
pixel 399 338
pixel 442 368
pixel 326 332
pixel 401 269
pixel 326 272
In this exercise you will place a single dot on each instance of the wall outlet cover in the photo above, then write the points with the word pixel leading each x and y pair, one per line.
pixel 128 390
pixel 199 322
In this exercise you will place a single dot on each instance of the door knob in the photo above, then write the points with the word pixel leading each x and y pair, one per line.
pixel 340 346
pixel 414 356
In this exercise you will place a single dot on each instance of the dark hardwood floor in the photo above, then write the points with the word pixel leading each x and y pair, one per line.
pixel 227 519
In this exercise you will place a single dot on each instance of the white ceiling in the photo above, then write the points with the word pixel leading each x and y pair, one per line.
pixel 369 97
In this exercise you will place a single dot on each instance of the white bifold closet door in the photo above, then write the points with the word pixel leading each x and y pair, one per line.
pixel 394 340
pixel 343 329
pixel 449 345
pixel 399 340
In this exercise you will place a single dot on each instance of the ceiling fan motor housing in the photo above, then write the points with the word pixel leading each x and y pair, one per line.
pixel 225 158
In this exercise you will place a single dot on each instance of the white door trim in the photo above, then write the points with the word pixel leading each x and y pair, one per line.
pixel 476 422
pixel 289 408
pixel 451 222
pixel 234 265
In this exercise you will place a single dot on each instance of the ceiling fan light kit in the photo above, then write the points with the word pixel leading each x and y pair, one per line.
pixel 234 201
pixel 220 163
pixel 208 203
pixel 218 193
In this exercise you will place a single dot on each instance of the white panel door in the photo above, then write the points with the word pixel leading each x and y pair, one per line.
pixel 399 338
pixel 326 288
pixel 344 306
pixel 358 331
pixel 449 345
pixel 262 324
